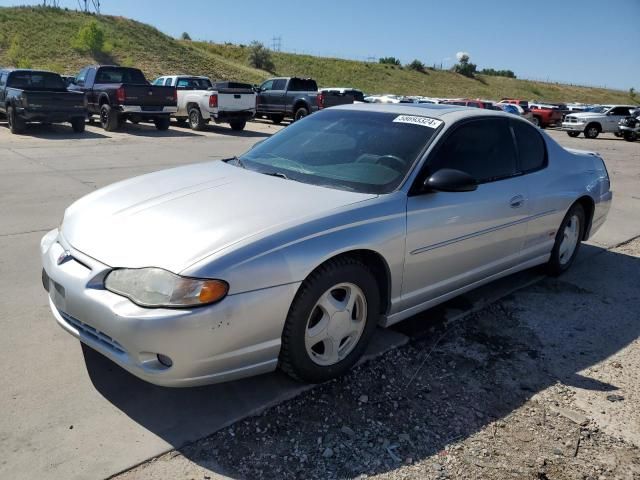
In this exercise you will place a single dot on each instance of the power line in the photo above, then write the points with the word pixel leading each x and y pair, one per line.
pixel 85 5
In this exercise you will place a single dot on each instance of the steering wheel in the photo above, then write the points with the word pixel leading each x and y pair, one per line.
pixel 392 162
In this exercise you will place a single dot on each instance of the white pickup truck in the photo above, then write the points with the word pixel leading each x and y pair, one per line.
pixel 597 120
pixel 200 101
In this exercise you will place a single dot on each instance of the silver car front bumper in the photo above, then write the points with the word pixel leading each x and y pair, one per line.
pixel 573 127
pixel 237 337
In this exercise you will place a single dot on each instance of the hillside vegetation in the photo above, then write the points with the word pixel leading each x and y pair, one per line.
pixel 42 38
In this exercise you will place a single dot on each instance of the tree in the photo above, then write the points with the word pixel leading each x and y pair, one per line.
pixel 416 65
pixel 90 38
pixel 185 36
pixel 389 61
pixel 464 66
pixel 260 56
pixel 498 73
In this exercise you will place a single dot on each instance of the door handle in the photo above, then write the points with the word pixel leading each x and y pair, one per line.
pixel 516 202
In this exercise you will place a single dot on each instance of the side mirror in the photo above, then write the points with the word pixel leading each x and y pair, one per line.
pixel 450 180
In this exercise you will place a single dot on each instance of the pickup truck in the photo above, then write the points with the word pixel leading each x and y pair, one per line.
pixel 288 97
pixel 545 115
pixel 603 119
pixel 39 96
pixel 200 101
pixel 118 94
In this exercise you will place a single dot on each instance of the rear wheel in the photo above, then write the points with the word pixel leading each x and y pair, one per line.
pixel 16 124
pixel 592 130
pixel 239 125
pixel 276 118
pixel 573 134
pixel 109 118
pixel 330 322
pixel 196 122
pixel 630 136
pixel 78 125
pixel 536 121
pixel 300 113
pixel 568 239
pixel 162 123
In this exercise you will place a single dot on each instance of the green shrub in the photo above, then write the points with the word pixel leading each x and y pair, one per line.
pixel 416 65
pixel 90 38
pixel 260 57
pixel 389 61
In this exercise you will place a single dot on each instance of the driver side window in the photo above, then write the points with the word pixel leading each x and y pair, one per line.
pixel 482 148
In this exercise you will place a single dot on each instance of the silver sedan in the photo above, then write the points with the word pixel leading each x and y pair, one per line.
pixel 290 255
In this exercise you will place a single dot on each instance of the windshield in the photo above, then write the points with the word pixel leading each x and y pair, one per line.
pixel 36 81
pixel 598 109
pixel 194 83
pixel 363 151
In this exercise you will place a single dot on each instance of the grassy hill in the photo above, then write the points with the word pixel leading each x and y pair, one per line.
pixel 42 38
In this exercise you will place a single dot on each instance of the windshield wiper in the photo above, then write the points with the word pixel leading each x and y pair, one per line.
pixel 239 162
pixel 277 174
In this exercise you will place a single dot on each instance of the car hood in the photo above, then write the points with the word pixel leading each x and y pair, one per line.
pixel 174 218
pixel 587 115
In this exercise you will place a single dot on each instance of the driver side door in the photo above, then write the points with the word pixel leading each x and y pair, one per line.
pixel 455 239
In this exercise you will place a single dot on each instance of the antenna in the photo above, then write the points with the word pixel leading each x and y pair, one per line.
pixel 276 43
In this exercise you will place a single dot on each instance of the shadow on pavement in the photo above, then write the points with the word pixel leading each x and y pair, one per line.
pixel 226 130
pixel 149 130
pixel 57 132
pixel 453 379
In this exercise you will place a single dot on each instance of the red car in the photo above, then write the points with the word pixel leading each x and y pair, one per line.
pixel 545 115
pixel 469 103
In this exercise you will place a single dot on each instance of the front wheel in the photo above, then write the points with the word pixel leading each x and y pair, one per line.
pixel 618 134
pixel 239 125
pixel 630 136
pixel 568 239
pixel 162 123
pixel 16 124
pixel 330 321
pixel 573 134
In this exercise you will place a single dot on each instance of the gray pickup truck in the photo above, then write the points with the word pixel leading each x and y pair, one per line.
pixel 290 97
pixel 39 96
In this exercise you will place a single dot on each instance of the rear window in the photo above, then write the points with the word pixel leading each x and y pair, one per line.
pixel 36 80
pixel 193 83
pixel 531 147
pixel 120 75
pixel 303 85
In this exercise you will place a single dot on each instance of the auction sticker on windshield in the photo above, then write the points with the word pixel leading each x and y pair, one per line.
pixel 415 120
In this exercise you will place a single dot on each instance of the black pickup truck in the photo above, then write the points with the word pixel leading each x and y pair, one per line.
pixel 39 96
pixel 118 94
pixel 288 97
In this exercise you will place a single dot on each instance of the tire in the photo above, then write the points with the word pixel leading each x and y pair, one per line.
pixel 536 122
pixel 109 118
pixel 135 121
pixel 337 282
pixel 571 232
pixel 300 114
pixel 182 122
pixel 592 130
pixel 573 134
pixel 618 134
pixel 16 124
pixel 78 125
pixel 196 122
pixel 238 126
pixel 276 118
pixel 630 136
pixel 162 123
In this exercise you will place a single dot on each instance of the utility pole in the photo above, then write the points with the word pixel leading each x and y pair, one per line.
pixel 51 3
pixel 276 43
pixel 85 6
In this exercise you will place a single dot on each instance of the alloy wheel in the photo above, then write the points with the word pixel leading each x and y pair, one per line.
pixel 570 240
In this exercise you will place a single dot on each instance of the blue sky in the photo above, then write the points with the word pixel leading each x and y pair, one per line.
pixel 587 42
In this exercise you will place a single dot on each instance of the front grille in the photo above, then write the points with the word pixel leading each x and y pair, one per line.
pixel 94 334
pixel 570 119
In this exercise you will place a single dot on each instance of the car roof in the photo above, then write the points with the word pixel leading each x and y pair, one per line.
pixel 451 112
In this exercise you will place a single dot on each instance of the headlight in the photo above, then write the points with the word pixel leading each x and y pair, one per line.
pixel 155 287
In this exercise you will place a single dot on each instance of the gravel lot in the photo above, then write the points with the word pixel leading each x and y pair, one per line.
pixel 543 384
